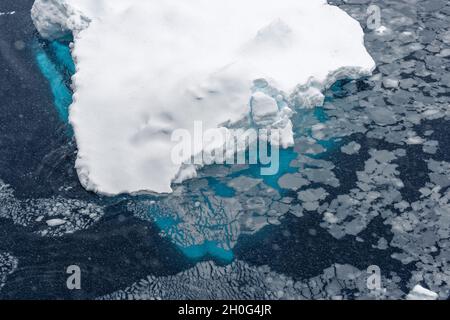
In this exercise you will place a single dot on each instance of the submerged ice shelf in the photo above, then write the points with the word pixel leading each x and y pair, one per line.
pixel 144 69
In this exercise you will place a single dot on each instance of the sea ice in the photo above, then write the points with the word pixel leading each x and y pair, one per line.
pixel 146 68
pixel 209 281
pixel 55 222
pixel 44 216
pixel 351 148
pixel 8 264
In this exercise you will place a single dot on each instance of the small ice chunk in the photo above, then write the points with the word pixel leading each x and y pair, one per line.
pixel 7 13
pixel 312 195
pixel 310 97
pixel 292 181
pixel 186 64
pixel 414 140
pixel 330 218
pixel 242 184
pixel 382 116
pixel 444 53
pixel 420 293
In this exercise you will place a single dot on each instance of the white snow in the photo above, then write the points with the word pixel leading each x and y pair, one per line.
pixel 146 68
pixel 420 293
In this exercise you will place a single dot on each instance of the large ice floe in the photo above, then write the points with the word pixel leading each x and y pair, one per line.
pixel 146 68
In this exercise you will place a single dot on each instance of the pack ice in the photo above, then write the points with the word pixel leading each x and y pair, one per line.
pixel 146 68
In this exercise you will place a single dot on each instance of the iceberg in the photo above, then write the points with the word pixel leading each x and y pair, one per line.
pixel 147 68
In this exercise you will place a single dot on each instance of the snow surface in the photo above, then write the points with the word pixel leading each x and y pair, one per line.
pixel 146 68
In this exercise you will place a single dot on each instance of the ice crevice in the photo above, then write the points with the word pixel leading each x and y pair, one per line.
pixel 144 69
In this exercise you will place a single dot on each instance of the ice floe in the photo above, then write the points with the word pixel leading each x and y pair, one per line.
pixel 194 216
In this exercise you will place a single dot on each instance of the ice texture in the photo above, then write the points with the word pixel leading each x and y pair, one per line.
pixel 146 68
pixel 9 13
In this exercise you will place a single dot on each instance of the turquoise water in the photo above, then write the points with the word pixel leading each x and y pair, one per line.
pixel 55 62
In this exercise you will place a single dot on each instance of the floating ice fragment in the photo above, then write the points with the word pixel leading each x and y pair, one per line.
pixel 390 83
pixel 414 140
pixel 382 30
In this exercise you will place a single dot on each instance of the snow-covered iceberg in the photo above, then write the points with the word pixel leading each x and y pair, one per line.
pixel 146 68
pixel 420 293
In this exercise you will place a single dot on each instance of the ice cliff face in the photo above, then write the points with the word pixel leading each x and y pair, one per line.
pixel 147 68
